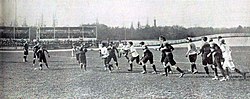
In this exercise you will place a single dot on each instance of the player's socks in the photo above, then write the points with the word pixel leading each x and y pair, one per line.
pixel 206 69
pixel 166 71
pixel 179 69
pixel 131 67
pixel 47 65
pixel 238 71
pixel 154 68
pixel 215 72
pixel 34 61
pixel 110 67
pixel 85 67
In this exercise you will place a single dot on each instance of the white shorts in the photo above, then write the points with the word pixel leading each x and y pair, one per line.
pixel 228 64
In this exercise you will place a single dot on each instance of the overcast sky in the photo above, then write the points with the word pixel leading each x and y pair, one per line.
pixel 188 13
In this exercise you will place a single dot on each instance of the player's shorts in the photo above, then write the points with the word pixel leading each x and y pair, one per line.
pixel 228 64
pixel 148 58
pixel 206 60
pixel 77 57
pixel 163 56
pixel 169 58
pixel 137 59
pixel 126 52
pixel 82 59
pixel 192 58
pixel 110 57
pixel 42 59
pixel 217 62
pixel 25 52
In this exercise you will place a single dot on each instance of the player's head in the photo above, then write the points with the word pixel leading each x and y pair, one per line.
pixel 103 44
pixel 222 41
pixel 189 39
pixel 142 43
pixel 204 39
pixel 219 38
pixel 210 40
pixel 162 38
pixel 130 43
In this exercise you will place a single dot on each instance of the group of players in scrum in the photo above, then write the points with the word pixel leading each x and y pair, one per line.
pixel 212 54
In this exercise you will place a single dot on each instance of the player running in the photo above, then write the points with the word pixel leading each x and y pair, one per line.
pixel 82 56
pixel 25 51
pixel 147 56
pixel 112 49
pixel 169 59
pixel 35 49
pixel 104 54
pixel 204 51
pixel 42 57
pixel 228 61
pixel 217 55
pixel 163 55
pixel 192 55
pixel 134 56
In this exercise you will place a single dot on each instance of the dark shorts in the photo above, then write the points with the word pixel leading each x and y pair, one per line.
pixel 82 59
pixel 110 57
pixel 163 56
pixel 25 52
pixel 137 59
pixel 192 58
pixel 126 52
pixel 206 60
pixel 169 58
pixel 148 58
pixel 77 57
pixel 217 61
pixel 43 59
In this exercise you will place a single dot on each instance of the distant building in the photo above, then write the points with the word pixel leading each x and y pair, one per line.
pixel 155 23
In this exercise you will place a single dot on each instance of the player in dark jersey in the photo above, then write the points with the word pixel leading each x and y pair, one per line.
pixel 147 56
pixel 26 51
pixel 170 59
pixel 192 55
pixel 42 57
pixel 163 55
pixel 204 51
pixel 77 50
pixel 217 55
pixel 112 50
pixel 35 49
pixel 82 56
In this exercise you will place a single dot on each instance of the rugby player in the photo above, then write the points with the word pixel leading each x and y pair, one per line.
pixel 42 57
pixel 169 59
pixel 26 51
pixel 104 54
pixel 204 51
pixel 228 61
pixel 147 56
pixel 112 50
pixel 192 55
pixel 82 56
pixel 162 40
pixel 35 49
pixel 134 56
pixel 217 56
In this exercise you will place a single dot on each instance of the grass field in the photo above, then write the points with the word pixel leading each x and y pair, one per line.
pixel 65 79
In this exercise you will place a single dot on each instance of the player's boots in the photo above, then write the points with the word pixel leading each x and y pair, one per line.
pixel 154 68
pixel 131 67
pixel 144 69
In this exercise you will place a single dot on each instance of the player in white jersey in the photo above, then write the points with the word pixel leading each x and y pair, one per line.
pixel 134 56
pixel 228 61
pixel 104 54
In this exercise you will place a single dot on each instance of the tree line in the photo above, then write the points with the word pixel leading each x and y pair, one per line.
pixel 170 32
